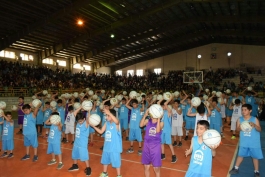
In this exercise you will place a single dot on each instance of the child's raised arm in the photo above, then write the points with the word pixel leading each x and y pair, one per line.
pixel 127 104
pixel 189 112
pixel 102 130
pixel 144 121
pixel 77 110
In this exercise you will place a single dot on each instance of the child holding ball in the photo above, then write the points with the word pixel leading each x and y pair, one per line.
pixel 249 144
pixel 201 158
pixel 8 135
pixel 54 141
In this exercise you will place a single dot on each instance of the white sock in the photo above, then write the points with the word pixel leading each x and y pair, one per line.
pixel 236 167
pixel 187 132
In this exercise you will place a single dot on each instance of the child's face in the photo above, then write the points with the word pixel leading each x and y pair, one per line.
pixel 9 116
pixel 20 100
pixel 47 106
pixel 81 121
pixel 135 105
pixel 123 101
pixel 189 101
pixel 245 111
pixel 176 104
pixel 200 130
pixel 27 111
pixel 106 107
pixel 59 104
pixel 108 118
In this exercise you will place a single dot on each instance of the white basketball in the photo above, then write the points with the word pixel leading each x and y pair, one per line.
pixel 33 97
pixel 206 103
pixel 249 88
pixel 77 105
pixel 156 111
pixel 170 107
pixel 98 103
pixel 219 100
pixel 142 94
pixel 87 89
pixel 55 119
pixel 113 101
pixel 36 102
pixel 138 94
pixel 75 94
pixel 211 137
pixel 14 107
pixel 159 97
pixel 139 99
pixel 133 94
pixel 44 92
pixel 2 105
pixel 176 93
pixel 218 94
pixel 213 92
pixel 119 97
pixel 53 104
pixel 101 106
pixel 48 96
pixel 82 94
pixel 94 97
pixel 166 95
pixel 205 97
pixel 90 92
pixel 228 91
pixel 112 91
pixel 196 101
pixel 207 90
pixel 87 105
pixel 245 126
pixel 154 97
pixel 94 119
pixel 103 91
pixel 1 112
pixel 124 93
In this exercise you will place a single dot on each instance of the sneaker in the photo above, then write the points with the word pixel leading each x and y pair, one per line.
pixel 52 162
pixel 175 143
pixel 233 171
pixel 174 159
pixel 127 138
pixel 74 168
pixel 139 152
pixel 256 174
pixel 180 144
pixel 4 155
pixel 63 140
pixel 103 174
pixel 130 150
pixel 88 171
pixel 10 155
pixel 19 132
pixel 186 138
pixel 72 142
pixel 35 158
pixel 26 157
pixel 101 148
pixel 66 141
pixel 163 156
pixel 60 166
pixel 233 137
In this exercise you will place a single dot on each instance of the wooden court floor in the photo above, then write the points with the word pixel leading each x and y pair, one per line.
pixel 131 163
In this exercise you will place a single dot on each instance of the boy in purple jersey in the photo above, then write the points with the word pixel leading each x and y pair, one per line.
pixel 152 144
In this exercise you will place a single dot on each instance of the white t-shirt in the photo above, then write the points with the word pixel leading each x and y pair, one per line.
pixel 198 118
pixel 70 119
pixel 177 119
pixel 223 108
pixel 237 112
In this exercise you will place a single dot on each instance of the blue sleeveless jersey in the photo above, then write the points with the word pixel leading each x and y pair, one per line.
pixel 54 135
pixel 113 141
pixel 215 117
pixel 167 123
pixel 8 131
pixel 1 125
pixel 123 112
pixel 200 160
pixel 192 111
pixel 81 135
pixel 29 125
pixel 135 118
pixel 61 112
pixel 39 119
pixel 47 114
pixel 249 139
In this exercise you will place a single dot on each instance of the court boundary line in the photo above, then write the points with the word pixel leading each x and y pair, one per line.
pixel 233 160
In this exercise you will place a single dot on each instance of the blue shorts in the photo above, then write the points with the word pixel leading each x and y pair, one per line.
pixel 8 145
pixel 54 148
pixel 190 124
pixel 63 128
pixel 91 130
pixel 31 140
pixel 80 153
pixel 216 127
pixel 228 112
pixel 166 138
pixel 124 124
pixel 255 153
pixel 113 158
pixel 135 134
pixel 184 118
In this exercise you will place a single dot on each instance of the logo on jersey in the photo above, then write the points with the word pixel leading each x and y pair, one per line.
pixel 152 131
pixel 122 109
pixel 108 136
pixel 25 122
pixel 213 114
pixel 51 134
pixel 247 134
pixel 198 157
pixel 203 147
pixel 175 116
pixel 77 132
pixel 5 131
pixel 133 117
pixel 47 113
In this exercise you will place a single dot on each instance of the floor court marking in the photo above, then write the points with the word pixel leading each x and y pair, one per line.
pixel 167 168
pixel 233 160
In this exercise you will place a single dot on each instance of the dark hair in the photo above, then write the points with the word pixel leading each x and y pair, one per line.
pixel 189 97
pixel 70 108
pixel 55 113
pixel 205 123
pixel 79 116
pixel 248 106
pixel 215 99
pixel 113 112
pixel 163 102
pixel 40 94
pixel 21 97
pixel 123 99
pixel 56 97
pixel 26 106
pixel 177 101
pixel 59 101
pixel 134 101
pixel 8 113
pixel 237 101
pixel 107 103
pixel 76 100
pixel 47 102
pixel 86 97
pixel 143 96
pixel 201 109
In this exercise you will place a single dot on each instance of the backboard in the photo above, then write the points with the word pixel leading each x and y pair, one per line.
pixel 193 77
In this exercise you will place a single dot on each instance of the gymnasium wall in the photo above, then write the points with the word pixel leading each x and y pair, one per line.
pixel 251 56
pixel 13 101
pixel 104 70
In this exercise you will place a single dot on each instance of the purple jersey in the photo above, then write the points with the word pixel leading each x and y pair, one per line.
pixel 20 112
pixel 151 136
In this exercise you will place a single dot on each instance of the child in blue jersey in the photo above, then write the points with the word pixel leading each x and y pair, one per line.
pixel 60 109
pixel 250 99
pixel 177 123
pixel 112 144
pixel 91 129
pixel 46 114
pixel 249 144
pixel 152 140
pixel 201 158
pixel 80 151
pixel 135 130
pixel 167 129
pixel 8 136
pixel 123 117
pixel 39 119
pixel 54 141
pixel 30 131
pixel 1 126
pixel 215 118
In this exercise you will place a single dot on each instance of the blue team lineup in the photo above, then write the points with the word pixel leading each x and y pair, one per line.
pixel 155 120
